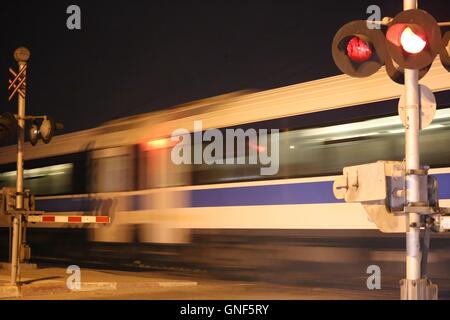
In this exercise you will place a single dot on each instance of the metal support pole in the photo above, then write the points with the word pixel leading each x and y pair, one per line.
pixel 21 55
pixel 414 287
pixel 410 4
pixel 412 156
pixel 413 257
pixel 14 251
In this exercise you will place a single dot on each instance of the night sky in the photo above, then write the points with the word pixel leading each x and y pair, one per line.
pixel 137 56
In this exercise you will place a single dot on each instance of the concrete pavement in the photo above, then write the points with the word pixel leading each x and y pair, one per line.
pixel 48 282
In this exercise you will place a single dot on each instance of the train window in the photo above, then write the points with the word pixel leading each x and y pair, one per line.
pixel 327 150
pixel 112 170
pixel 50 180
pixel 156 170
pixel 241 170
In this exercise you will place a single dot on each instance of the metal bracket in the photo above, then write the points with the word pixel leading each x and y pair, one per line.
pixel 381 188
pixel 420 209
pixel 417 172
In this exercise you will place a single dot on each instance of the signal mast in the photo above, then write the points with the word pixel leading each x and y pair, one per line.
pixel 399 197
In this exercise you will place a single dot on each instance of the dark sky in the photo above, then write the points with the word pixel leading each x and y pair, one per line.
pixel 137 56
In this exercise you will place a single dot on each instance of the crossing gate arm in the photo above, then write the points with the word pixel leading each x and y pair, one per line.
pixel 68 219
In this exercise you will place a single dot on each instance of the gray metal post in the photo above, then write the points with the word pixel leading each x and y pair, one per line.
pixel 412 156
pixel 21 55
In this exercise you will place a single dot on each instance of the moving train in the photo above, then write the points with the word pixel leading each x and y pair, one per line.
pixel 123 168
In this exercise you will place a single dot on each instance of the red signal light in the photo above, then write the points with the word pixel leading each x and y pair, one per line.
pixel 411 42
pixel 394 33
pixel 358 50
pixel 413 39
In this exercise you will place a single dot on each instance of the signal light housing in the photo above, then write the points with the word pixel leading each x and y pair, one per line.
pixel 47 130
pixel 357 50
pixel 397 73
pixel 33 134
pixel 444 54
pixel 413 39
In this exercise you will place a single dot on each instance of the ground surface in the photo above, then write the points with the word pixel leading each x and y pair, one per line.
pixel 229 264
pixel 50 283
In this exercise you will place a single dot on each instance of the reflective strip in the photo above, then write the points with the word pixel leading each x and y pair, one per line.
pixel 68 219
pixel 48 219
pixel 102 219
pixel 74 219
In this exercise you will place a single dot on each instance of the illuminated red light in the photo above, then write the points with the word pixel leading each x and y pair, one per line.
pixel 412 42
pixel 359 50
pixel 403 36
pixel 394 33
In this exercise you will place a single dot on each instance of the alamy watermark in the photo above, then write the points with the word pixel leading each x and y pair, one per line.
pixel 374 18
pixel 73 21
pixel 262 147
pixel 374 280
pixel 74 280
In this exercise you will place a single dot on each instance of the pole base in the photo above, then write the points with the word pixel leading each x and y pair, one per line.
pixel 422 289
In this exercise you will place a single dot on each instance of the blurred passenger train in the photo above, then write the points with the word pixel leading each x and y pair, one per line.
pixel 123 168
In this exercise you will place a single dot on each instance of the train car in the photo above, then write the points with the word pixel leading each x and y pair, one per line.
pixel 124 169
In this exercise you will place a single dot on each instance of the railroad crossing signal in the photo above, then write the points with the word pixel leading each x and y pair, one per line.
pixel 399 196
pixel 13 201
pixel 359 51
pixel 18 84
pixel 412 41
pixel 45 131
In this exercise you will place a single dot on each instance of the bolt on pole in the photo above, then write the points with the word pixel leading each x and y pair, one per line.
pixel 412 157
pixel 21 55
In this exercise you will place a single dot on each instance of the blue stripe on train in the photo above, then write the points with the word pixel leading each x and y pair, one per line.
pixel 66 205
pixel 296 193
pixel 281 194
pixel 84 204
